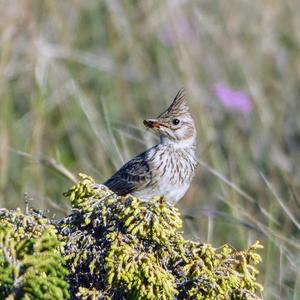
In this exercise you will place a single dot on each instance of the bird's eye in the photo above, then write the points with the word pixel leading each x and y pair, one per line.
pixel 176 121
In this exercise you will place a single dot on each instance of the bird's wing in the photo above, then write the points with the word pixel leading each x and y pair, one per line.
pixel 134 175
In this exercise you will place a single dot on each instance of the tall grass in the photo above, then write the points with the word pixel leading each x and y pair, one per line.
pixel 78 77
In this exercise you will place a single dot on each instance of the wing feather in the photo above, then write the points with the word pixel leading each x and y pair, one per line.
pixel 134 175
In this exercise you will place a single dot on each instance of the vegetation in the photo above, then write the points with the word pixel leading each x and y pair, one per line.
pixel 117 248
pixel 78 77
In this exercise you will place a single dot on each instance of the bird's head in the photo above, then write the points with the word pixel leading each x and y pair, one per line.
pixel 175 125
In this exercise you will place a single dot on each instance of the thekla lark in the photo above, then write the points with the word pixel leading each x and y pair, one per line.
pixel 167 168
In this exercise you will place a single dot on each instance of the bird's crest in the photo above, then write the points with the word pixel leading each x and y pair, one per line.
pixel 179 105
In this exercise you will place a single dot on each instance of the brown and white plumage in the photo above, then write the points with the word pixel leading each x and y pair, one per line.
pixel 167 168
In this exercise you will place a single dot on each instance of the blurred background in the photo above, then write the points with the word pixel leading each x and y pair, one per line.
pixel 78 77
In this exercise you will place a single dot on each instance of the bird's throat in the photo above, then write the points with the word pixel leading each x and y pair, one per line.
pixel 178 144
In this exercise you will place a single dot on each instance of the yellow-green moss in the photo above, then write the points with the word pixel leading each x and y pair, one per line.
pixel 126 248
pixel 116 248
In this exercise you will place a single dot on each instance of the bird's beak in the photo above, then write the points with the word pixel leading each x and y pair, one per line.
pixel 152 123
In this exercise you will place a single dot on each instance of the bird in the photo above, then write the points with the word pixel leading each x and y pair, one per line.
pixel 167 168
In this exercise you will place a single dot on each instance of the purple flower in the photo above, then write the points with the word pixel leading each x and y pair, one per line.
pixel 233 99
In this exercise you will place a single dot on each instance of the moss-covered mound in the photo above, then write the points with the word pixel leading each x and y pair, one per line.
pixel 125 248
pixel 118 248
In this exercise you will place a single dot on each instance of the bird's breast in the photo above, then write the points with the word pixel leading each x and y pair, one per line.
pixel 172 172
pixel 174 166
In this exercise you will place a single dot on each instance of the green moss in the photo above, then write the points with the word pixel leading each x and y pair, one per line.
pixel 31 266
